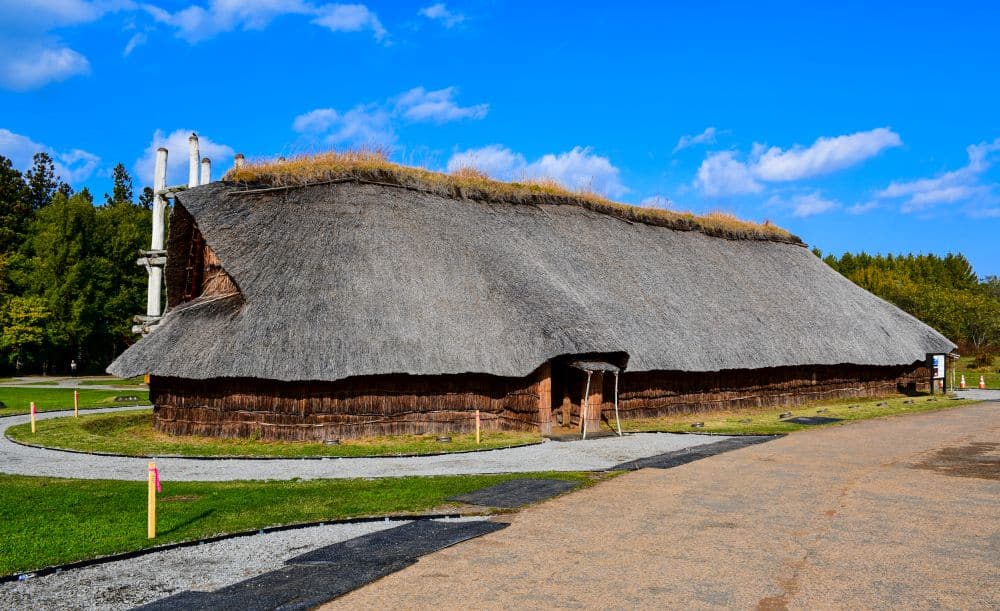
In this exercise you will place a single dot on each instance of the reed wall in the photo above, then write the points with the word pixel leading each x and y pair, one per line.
pixel 401 404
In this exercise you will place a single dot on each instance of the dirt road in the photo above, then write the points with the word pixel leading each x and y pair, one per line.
pixel 899 512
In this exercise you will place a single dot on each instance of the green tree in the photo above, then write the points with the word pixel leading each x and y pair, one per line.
pixel 62 263
pixel 24 330
pixel 42 181
pixel 122 190
pixel 15 209
pixel 146 198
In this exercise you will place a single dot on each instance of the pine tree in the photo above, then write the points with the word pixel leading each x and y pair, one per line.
pixel 15 211
pixel 122 191
pixel 42 181
pixel 146 198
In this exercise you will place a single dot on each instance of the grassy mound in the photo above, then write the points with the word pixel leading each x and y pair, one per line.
pixel 769 421
pixel 132 434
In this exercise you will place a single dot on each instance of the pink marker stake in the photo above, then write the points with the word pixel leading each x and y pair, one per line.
pixel 32 416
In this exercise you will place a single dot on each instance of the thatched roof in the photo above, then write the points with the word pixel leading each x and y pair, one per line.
pixel 372 166
pixel 349 278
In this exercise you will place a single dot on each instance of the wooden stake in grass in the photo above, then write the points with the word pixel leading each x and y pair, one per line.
pixel 154 487
pixel 32 416
pixel 477 427
pixel 76 403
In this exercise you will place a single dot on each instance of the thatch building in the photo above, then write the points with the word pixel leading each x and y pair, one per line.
pixel 382 300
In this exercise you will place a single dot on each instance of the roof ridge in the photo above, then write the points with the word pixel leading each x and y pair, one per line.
pixel 333 168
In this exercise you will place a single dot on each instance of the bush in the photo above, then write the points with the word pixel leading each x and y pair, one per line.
pixel 984 359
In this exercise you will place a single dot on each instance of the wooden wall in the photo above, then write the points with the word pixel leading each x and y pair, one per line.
pixel 659 393
pixel 400 404
pixel 357 407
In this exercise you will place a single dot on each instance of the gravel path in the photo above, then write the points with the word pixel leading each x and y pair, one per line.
pixel 979 395
pixel 590 455
pixel 124 584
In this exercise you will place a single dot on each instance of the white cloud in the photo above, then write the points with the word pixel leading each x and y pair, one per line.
pixel 318 120
pixel 439 12
pixel 197 23
pixel 498 161
pixel 176 144
pixel 705 137
pixel 811 204
pixel 363 124
pixel 71 166
pixel 30 57
pixel 45 15
pixel 722 174
pixel 138 39
pixel 374 123
pixel 826 155
pixel 862 208
pixel 963 184
pixel 349 18
pixel 32 67
pixel 578 168
pixel 418 104
pixel 804 204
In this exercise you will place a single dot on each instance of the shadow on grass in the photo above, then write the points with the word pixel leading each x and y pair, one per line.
pixel 188 522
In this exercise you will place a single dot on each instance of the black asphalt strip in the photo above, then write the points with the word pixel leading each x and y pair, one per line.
pixel 328 572
pixel 682 457
pixel 516 492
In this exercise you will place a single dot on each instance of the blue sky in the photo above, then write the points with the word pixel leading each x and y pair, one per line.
pixel 856 127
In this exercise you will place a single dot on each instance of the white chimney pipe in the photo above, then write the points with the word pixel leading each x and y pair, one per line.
pixel 153 307
pixel 206 171
pixel 239 160
pixel 194 155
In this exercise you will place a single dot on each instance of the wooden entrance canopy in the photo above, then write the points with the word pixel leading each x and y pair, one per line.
pixel 600 368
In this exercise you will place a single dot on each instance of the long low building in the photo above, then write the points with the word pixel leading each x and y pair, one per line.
pixel 384 301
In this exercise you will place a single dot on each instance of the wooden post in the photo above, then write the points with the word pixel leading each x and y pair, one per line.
pixel 32 416
pixel 206 170
pixel 477 427
pixel 193 156
pixel 153 307
pixel 76 403
pixel 545 399
pixel 151 511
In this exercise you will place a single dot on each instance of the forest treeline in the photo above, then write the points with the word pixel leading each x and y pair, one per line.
pixel 69 284
pixel 944 292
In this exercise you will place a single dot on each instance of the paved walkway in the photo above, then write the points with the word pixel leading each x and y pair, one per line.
pixel 591 455
pixel 887 513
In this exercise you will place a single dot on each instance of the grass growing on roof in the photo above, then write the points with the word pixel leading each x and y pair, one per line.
pixel 131 433
pixel 373 165
pixel 768 421
pixel 17 399
pixel 46 521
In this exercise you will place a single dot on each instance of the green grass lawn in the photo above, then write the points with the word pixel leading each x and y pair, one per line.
pixel 766 422
pixel 46 521
pixel 132 433
pixel 17 400
pixel 135 382
pixel 991 375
